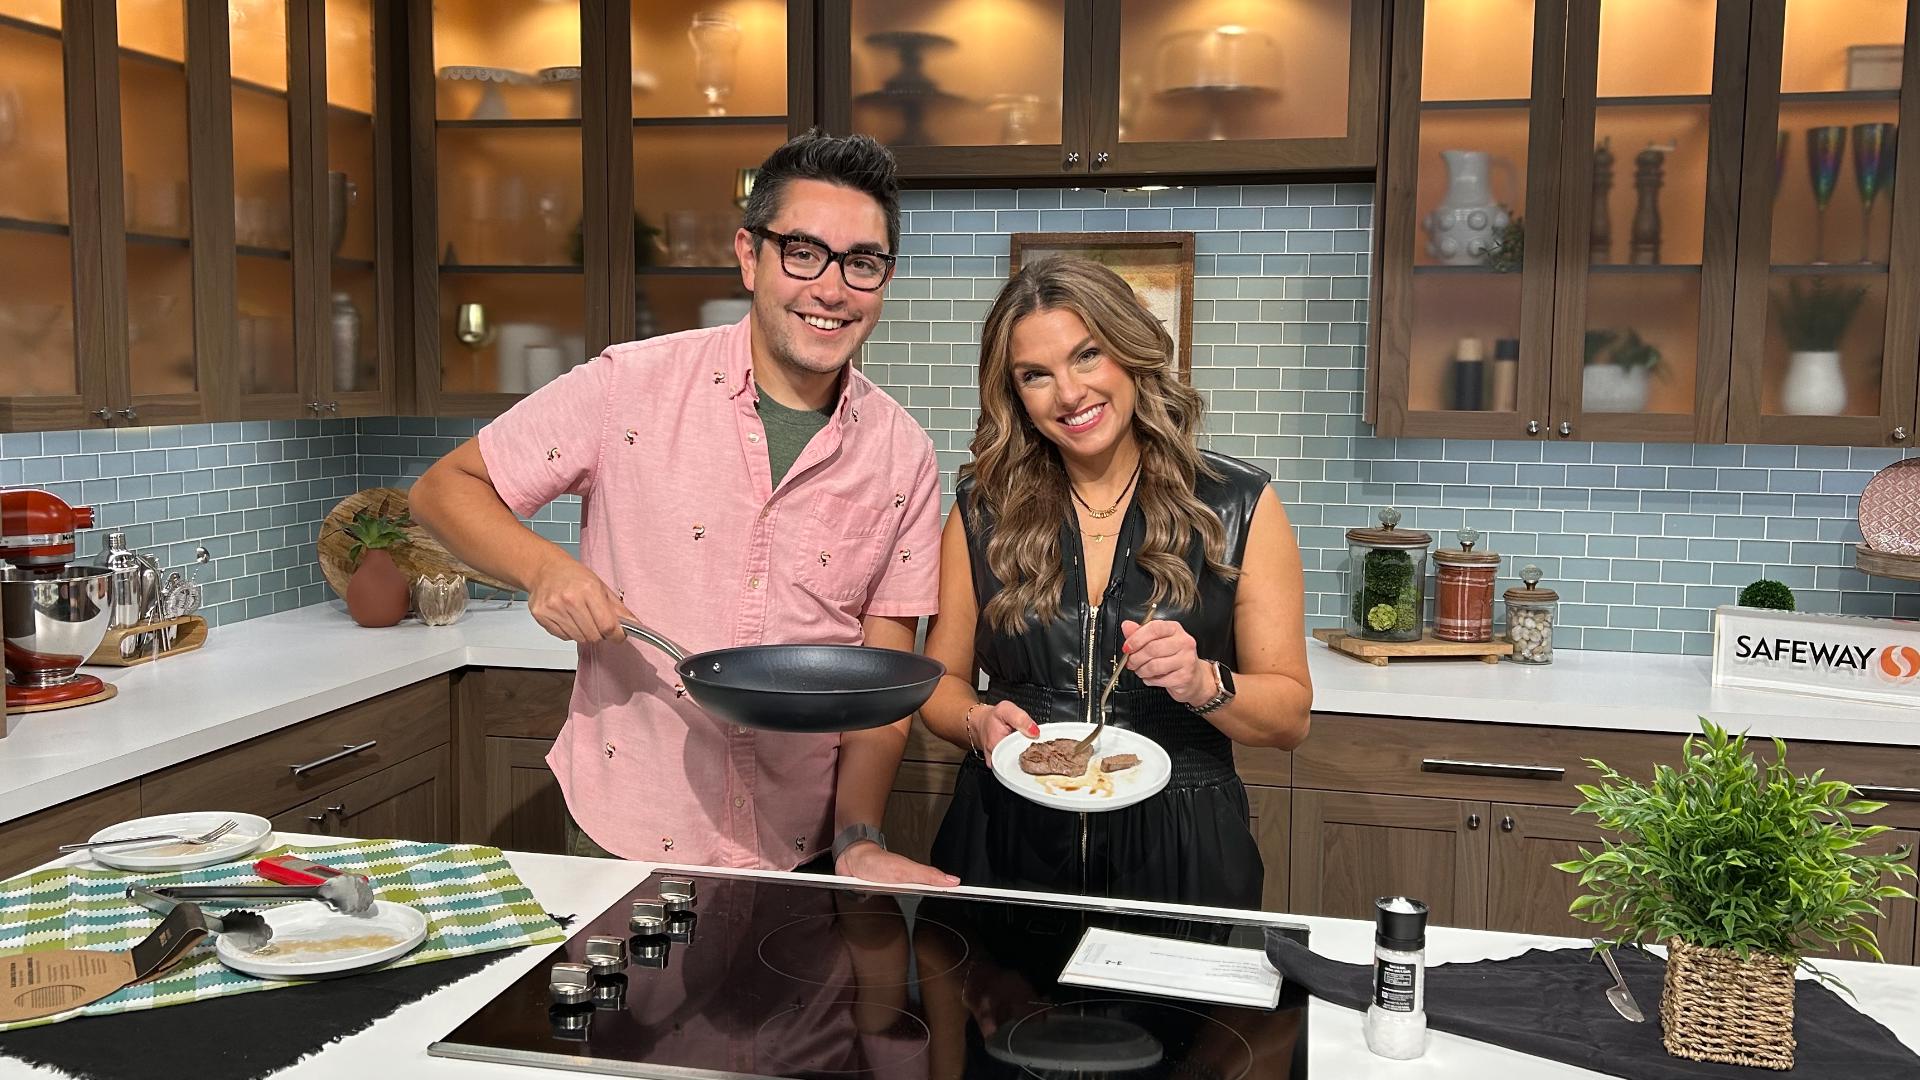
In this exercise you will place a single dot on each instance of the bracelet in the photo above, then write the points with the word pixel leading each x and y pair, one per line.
pixel 966 721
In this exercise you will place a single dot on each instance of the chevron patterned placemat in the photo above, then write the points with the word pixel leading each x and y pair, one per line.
pixel 473 901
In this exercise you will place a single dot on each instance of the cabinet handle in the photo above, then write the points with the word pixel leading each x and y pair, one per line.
pixel 1492 768
pixel 1473 821
pixel 1533 427
pixel 313 407
pixel 333 406
pixel 1073 159
pixel 316 819
pixel 1566 429
pixel 1100 159
pixel 129 414
pixel 103 414
pixel 337 808
pixel 1506 824
pixel 1887 794
pixel 1899 434
pixel 345 751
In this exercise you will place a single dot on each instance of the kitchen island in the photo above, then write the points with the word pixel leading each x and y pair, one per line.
pixel 397 1045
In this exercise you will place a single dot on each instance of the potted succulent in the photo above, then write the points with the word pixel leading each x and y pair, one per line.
pixel 1741 869
pixel 1814 319
pixel 377 590
pixel 1614 379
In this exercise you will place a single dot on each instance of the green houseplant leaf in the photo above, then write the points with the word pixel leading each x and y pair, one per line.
pixel 375 531
pixel 1728 853
pixel 1815 318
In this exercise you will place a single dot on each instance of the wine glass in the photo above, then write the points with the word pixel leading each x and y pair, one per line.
pixel 715 36
pixel 472 328
pixel 1873 150
pixel 1826 147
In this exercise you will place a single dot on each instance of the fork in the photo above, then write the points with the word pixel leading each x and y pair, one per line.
pixel 1618 994
pixel 207 837
pixel 1112 682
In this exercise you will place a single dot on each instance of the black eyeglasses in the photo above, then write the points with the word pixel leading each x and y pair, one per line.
pixel 807 259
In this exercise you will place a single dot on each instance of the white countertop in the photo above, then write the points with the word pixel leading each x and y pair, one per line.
pixel 397 1045
pixel 261 675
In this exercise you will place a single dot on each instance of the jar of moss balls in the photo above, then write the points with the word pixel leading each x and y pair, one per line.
pixel 1386 580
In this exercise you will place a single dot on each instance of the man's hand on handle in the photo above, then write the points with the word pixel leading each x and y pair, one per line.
pixel 571 602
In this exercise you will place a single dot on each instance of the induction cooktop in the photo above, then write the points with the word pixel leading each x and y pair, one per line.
pixel 711 975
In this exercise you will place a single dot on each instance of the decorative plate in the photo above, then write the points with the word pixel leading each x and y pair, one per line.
pixel 1890 509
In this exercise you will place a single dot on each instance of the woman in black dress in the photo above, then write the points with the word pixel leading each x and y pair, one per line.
pixel 1086 502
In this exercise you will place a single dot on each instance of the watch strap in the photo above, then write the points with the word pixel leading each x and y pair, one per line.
pixel 1221 694
pixel 854 834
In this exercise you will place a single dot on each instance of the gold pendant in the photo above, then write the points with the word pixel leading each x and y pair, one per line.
pixel 1097 537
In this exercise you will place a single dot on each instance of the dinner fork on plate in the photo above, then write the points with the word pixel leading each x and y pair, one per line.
pixel 1119 666
pixel 207 837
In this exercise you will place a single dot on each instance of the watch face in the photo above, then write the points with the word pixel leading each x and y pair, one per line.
pixel 1226 676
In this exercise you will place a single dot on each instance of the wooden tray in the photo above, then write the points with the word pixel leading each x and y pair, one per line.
pixel 1886 563
pixel 420 556
pixel 1378 653
pixel 192 635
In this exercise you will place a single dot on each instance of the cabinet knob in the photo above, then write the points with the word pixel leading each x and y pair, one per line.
pixel 1565 429
pixel 1100 159
pixel 341 808
pixel 103 414
pixel 1473 821
pixel 129 414
pixel 1533 427
pixel 313 407
pixel 316 819
pixel 1506 824
pixel 333 407
pixel 1073 159
pixel 1899 434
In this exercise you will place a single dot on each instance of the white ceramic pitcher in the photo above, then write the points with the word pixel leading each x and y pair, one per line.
pixel 1467 223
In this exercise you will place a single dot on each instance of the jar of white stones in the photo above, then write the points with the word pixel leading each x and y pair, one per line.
pixel 1531 612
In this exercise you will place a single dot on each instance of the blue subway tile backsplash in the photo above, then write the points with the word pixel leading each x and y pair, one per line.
pixel 1641 541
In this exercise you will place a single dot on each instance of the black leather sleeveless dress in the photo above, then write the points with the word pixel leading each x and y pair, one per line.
pixel 1188 844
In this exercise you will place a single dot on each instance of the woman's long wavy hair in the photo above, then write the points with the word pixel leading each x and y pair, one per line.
pixel 1019 480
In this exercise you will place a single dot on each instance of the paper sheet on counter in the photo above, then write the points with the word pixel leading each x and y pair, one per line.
pixel 1166 967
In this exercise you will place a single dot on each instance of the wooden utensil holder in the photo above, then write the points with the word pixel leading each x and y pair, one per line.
pixel 191 635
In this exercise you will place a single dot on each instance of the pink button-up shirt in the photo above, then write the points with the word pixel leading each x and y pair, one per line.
pixel 663 443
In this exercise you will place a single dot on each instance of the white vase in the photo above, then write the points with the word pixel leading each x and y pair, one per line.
pixel 1466 225
pixel 1814 385
pixel 1611 388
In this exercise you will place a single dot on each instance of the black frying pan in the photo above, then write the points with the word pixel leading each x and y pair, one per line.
pixel 802 688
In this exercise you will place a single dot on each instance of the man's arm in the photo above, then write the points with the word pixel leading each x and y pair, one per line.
pixel 457 502
pixel 868 761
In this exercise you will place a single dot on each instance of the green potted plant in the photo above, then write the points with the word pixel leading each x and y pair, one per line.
pixel 1767 593
pixel 1741 869
pixel 1616 372
pixel 1814 319
pixel 377 589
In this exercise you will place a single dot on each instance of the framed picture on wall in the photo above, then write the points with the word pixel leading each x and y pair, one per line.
pixel 1159 266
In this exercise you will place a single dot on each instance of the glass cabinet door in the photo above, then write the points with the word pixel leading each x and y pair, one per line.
pixel 1467 248
pixel 355 368
pixel 508 166
pixel 1820 354
pixel 264 300
pixel 40 377
pixel 1643 316
pixel 965 87
pixel 1225 85
pixel 709 104
pixel 162 376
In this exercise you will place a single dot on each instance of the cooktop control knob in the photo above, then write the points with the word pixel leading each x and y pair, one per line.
pixel 606 955
pixel 570 984
pixel 649 917
pixel 650 952
pixel 677 895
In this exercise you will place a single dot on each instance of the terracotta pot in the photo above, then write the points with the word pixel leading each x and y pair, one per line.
pixel 377 592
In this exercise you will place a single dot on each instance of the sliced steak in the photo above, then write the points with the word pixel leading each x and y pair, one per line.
pixel 1055 757
pixel 1116 762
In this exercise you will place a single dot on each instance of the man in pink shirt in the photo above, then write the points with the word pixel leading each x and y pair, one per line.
pixel 741 485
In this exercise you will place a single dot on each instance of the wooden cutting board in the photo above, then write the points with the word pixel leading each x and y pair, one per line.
pixel 421 556
pixel 1378 653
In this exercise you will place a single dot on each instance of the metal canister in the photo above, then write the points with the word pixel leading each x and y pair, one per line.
pixel 135 580
pixel 1463 590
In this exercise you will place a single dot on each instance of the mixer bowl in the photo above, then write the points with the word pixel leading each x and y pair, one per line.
pixel 53 621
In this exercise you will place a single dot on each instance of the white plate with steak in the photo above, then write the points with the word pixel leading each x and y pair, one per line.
pixel 1124 768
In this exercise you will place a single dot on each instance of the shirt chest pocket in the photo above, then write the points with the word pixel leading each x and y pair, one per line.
pixel 840 546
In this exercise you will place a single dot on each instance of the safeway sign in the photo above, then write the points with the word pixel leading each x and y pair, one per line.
pixel 1833 655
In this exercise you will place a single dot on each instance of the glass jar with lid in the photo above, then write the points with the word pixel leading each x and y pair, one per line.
pixel 1463 590
pixel 1386 580
pixel 1531 613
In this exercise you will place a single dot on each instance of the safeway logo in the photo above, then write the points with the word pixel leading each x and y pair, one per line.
pixel 1899 664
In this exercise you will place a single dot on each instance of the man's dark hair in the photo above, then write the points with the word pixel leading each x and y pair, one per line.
pixel 851 161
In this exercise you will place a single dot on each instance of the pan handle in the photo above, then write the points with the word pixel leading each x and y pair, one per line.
pixel 655 639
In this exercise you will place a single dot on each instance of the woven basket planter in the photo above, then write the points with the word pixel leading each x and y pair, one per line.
pixel 1718 1007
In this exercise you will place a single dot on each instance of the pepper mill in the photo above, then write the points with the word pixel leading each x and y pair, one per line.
pixel 1600 244
pixel 1649 167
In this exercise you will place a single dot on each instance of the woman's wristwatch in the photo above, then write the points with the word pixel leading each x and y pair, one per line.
pixel 1223 680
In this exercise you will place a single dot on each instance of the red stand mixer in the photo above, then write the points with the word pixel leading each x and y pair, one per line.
pixel 54 615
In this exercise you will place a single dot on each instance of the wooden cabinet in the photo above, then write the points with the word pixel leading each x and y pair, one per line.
pixel 921 793
pixel 505 722
pixel 182 212
pixel 411 800
pixel 1350 848
pixel 29 841
pixel 1270 817
pixel 1614 235
pixel 523 809
pixel 1137 88
pixel 1525 893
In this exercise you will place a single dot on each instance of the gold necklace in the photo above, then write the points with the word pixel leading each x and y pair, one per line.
pixel 1101 515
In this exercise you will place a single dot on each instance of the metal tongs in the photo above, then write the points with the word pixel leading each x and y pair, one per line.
pixel 245 929
pixel 1119 666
